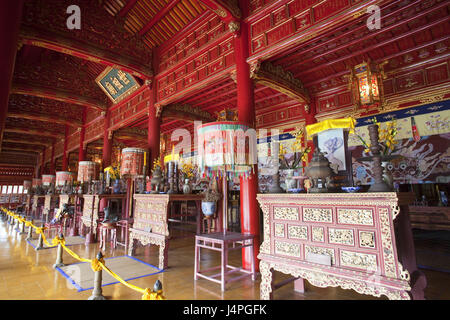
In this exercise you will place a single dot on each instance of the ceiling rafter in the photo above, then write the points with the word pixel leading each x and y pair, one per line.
pixel 45 118
pixel 158 16
pixel 56 94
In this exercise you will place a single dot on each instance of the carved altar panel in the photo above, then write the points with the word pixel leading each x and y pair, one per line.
pixel 150 214
pixel 356 232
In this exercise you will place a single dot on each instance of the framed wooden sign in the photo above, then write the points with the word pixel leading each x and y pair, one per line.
pixel 117 84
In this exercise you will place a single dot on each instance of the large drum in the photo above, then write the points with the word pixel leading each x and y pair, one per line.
pixel 62 177
pixel 48 179
pixel 87 171
pixel 132 162
pixel 37 182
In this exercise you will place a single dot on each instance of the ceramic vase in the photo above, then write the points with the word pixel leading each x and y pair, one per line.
pixel 187 187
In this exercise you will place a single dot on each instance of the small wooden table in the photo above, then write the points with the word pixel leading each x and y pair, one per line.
pixel 151 225
pixel 223 242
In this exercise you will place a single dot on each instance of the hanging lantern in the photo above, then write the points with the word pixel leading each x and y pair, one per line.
pixel 132 162
pixel 226 148
pixel 48 179
pixel 366 84
pixel 87 171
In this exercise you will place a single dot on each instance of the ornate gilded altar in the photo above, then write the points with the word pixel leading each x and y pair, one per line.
pixel 37 206
pixel 92 210
pixel 151 226
pixel 340 239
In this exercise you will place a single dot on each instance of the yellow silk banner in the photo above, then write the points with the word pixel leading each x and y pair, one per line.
pixel 345 123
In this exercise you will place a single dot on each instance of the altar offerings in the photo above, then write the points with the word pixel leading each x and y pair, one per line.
pixel 345 240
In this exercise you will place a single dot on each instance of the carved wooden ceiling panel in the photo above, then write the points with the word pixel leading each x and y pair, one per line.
pixel 44 107
pixel 155 21
pixel 54 70
pixel 411 32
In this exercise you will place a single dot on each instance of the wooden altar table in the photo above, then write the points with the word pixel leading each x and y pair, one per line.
pixel 38 206
pixel 151 225
pixel 51 202
pixel 92 212
pixel 341 239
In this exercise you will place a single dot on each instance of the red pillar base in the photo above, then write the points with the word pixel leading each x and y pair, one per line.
pixel 250 219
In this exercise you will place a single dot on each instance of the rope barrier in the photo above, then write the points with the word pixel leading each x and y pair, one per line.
pixel 96 264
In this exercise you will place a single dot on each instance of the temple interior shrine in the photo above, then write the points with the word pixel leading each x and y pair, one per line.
pixel 224 150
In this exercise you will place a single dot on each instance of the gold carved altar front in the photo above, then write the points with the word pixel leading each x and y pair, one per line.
pixel 341 239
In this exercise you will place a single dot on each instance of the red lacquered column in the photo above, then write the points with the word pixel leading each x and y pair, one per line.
pixel 10 16
pixel 154 129
pixel 42 168
pixel 52 160
pixel 107 143
pixel 65 158
pixel 81 151
pixel 106 155
pixel 310 118
pixel 246 114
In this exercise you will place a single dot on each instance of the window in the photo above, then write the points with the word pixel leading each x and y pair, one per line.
pixel 10 189
pixel 15 189
pixel 20 190
pixel 4 189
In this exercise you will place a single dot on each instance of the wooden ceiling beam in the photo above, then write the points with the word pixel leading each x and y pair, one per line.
pixel 369 36
pixel 157 17
pixel 45 118
pixel 124 11
pixel 56 94
pixel 370 48
pixel 32 149
pixel 56 42
pixel 24 141
pixel 40 133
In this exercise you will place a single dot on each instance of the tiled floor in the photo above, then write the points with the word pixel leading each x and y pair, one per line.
pixel 28 274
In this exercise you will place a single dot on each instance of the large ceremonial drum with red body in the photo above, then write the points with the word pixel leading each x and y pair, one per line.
pixel 48 179
pixel 37 182
pixel 87 170
pixel 132 162
pixel 62 177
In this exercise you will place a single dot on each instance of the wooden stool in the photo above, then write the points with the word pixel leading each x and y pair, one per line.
pixel 223 243
pixel 106 228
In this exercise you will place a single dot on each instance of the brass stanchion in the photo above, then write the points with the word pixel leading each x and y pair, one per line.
pixel 59 261
pixel 30 231
pixel 22 227
pixel 97 292
pixel 40 240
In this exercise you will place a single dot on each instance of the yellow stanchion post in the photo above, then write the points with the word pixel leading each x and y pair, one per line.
pixel 59 260
pixel 97 292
